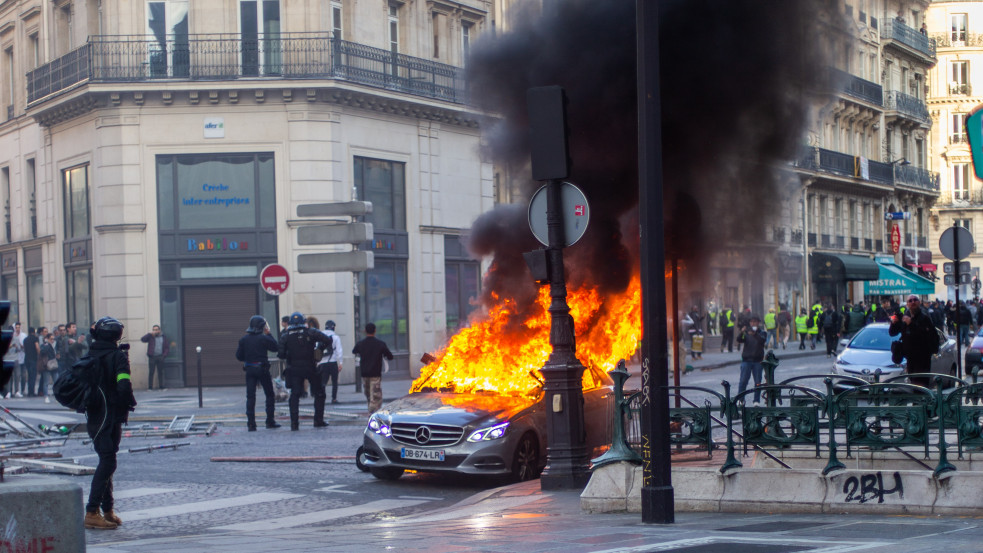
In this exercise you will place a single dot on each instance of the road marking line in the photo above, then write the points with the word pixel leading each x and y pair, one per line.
pixel 422 497
pixel 334 489
pixel 210 505
pixel 140 492
pixel 319 516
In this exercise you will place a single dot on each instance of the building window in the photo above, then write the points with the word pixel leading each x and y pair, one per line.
pixel 167 28
pixel 958 131
pixel 35 51
pixel 259 23
pixel 384 184
pixel 336 25
pixel 462 283
pixel 435 24
pixel 79 283
pixel 959 77
pixel 466 29
pixel 35 300
pixel 76 198
pixel 957 27
pixel 8 81
pixel 30 179
pixel 8 284
pixel 394 28
pixel 5 185
pixel 960 181
pixel 964 223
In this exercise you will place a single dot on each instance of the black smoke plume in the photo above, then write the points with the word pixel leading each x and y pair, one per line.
pixel 737 81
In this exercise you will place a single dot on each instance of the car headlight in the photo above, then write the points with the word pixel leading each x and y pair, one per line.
pixel 380 427
pixel 490 433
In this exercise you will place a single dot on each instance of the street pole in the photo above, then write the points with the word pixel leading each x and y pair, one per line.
pixel 567 465
pixel 959 330
pixel 200 401
pixel 657 492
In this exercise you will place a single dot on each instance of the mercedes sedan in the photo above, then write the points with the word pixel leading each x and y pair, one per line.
pixel 869 351
pixel 478 433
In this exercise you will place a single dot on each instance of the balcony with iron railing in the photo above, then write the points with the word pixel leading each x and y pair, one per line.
pixel 839 164
pixel 859 88
pixel 907 106
pixel 957 39
pixel 958 139
pixel 225 57
pixel 898 32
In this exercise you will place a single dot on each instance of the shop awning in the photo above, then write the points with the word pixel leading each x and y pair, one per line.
pixel 839 267
pixel 898 281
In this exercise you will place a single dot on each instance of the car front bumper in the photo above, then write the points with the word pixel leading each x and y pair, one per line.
pixel 492 458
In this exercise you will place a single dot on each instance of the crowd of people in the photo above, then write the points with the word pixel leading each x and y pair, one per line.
pixel 37 355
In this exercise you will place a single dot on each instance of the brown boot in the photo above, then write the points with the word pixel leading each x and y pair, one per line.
pixel 111 517
pixel 96 521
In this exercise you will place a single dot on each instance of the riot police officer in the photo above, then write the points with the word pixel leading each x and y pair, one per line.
pixel 105 417
pixel 252 352
pixel 297 345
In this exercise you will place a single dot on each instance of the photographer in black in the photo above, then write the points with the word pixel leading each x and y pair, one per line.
pixel 919 340
pixel 252 351
pixel 105 417
pixel 297 345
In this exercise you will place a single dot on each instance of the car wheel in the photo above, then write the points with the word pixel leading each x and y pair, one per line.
pixel 525 460
pixel 360 459
pixel 386 473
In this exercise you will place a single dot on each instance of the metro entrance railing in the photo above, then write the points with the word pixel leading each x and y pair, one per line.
pixel 843 413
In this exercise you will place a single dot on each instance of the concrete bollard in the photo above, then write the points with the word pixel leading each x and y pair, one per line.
pixel 41 514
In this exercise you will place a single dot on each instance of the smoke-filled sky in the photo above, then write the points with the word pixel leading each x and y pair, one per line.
pixel 733 75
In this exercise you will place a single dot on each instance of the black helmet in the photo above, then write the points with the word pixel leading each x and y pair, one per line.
pixel 256 325
pixel 328 325
pixel 296 319
pixel 107 329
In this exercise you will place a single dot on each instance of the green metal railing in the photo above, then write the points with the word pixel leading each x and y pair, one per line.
pixel 845 411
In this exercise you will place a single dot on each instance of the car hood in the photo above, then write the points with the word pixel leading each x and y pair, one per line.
pixel 859 359
pixel 455 409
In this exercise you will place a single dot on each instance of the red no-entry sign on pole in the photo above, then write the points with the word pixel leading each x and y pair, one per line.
pixel 274 279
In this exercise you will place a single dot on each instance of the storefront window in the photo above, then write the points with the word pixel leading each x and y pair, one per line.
pixel 80 298
pixel 202 191
pixel 384 302
pixel 76 189
pixel 10 293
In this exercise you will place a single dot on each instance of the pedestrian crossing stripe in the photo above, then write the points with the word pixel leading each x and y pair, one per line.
pixel 209 505
pixel 315 517
pixel 142 492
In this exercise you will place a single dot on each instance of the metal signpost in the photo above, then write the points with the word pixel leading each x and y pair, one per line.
pixel 956 243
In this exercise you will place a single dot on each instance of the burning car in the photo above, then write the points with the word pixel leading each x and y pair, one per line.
pixel 478 432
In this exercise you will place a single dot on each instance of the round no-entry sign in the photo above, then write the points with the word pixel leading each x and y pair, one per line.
pixel 274 279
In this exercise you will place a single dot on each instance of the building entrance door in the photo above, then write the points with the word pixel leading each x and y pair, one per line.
pixel 215 317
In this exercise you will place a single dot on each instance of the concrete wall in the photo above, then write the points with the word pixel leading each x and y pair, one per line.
pixel 41 513
pixel 617 488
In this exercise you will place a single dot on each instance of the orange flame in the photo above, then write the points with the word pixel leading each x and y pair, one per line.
pixel 486 356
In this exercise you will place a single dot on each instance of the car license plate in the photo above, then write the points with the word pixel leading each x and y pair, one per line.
pixel 422 454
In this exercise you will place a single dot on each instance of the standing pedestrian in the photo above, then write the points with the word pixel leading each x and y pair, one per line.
pixel 11 356
pixel 19 337
pixel 297 346
pixel 157 349
pixel 784 322
pixel 31 348
pixel 802 327
pixel 771 327
pixel 919 340
pixel 831 323
pixel 813 326
pixel 47 366
pixel 753 337
pixel 105 418
pixel 252 351
pixel 331 362
pixel 727 322
pixel 372 350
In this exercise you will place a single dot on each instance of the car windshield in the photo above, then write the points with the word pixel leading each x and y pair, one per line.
pixel 876 338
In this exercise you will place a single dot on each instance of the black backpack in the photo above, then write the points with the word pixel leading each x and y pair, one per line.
pixel 78 386
pixel 325 349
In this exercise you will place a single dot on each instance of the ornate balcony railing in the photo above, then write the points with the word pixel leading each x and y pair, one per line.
pixel 909 106
pixel 958 139
pixel 863 89
pixel 946 40
pixel 917 177
pixel 217 57
pixel 898 31
pixel 846 165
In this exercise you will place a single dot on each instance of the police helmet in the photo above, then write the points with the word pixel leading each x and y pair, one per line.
pixel 329 325
pixel 297 318
pixel 256 325
pixel 107 329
